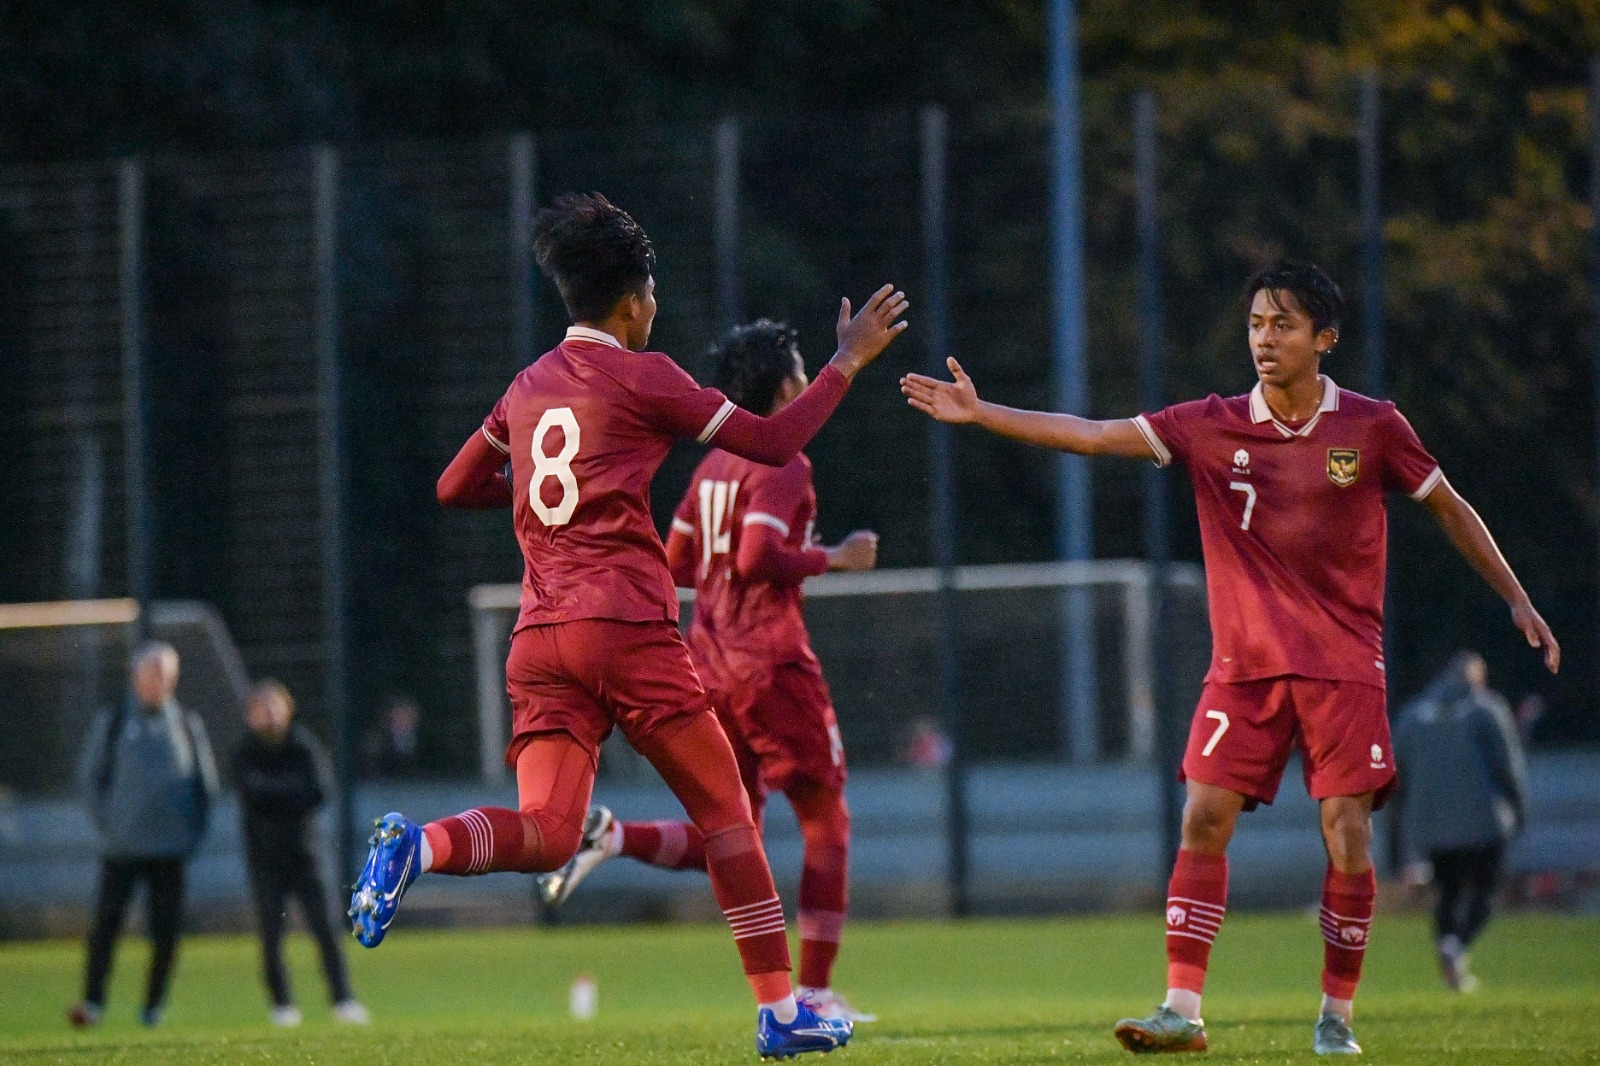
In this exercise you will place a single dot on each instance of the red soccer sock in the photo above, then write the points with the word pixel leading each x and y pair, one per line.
pixel 486 840
pixel 824 880
pixel 1197 900
pixel 1347 901
pixel 749 900
pixel 669 845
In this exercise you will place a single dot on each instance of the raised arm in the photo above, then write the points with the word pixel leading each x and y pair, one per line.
pixel 475 478
pixel 957 403
pixel 779 438
pixel 1472 539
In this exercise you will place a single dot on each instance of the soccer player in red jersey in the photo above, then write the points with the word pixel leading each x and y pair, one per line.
pixel 742 539
pixel 1290 482
pixel 596 643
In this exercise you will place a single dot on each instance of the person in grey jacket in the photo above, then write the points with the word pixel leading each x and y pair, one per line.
pixel 1462 799
pixel 148 776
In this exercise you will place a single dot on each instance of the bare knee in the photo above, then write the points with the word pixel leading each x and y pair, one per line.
pixel 1209 817
pixel 1347 833
pixel 824 818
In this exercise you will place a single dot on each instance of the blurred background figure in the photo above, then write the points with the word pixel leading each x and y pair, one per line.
pixel 282 774
pixel 926 745
pixel 1462 799
pixel 392 747
pixel 148 777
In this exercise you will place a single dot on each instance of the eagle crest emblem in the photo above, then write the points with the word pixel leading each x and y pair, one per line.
pixel 1344 466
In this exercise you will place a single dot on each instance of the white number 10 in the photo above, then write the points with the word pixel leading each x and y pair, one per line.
pixel 1249 491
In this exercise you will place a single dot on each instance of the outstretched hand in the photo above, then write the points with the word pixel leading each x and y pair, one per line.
pixel 955 402
pixel 1538 634
pixel 864 336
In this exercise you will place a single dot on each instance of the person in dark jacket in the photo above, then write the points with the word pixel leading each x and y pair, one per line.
pixel 148 776
pixel 1462 799
pixel 283 778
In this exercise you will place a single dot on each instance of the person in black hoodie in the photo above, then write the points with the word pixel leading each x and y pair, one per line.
pixel 283 778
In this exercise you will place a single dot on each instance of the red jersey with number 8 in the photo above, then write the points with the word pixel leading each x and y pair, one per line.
pixel 1293 527
pixel 586 427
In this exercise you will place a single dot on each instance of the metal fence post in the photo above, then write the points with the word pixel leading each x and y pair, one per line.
pixel 942 502
pixel 1152 397
pixel 725 195
pixel 1372 231
pixel 524 315
pixel 332 487
pixel 1074 527
pixel 135 401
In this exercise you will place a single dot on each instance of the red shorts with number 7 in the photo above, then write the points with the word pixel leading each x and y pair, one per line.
pixel 1243 732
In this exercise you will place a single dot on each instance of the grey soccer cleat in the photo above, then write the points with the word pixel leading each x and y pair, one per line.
pixel 556 886
pixel 1165 1030
pixel 1333 1037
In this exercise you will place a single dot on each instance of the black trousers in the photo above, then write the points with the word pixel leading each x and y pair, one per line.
pixel 163 879
pixel 275 878
pixel 1467 879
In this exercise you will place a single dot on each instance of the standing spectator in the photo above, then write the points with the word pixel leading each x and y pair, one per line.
pixel 282 773
pixel 148 776
pixel 1462 799
pixel 391 748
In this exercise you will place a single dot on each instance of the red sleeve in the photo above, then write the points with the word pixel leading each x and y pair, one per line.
pixel 496 430
pixel 777 503
pixel 1168 431
pixel 680 542
pixel 475 478
pixel 675 403
pixel 1407 466
pixel 765 555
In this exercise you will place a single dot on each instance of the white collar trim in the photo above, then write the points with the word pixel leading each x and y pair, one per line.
pixel 1260 412
pixel 584 333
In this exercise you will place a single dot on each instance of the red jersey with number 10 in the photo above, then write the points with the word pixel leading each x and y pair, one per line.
pixel 1294 527
pixel 744 625
pixel 586 427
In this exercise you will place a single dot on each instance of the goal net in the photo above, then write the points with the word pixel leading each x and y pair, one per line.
pixel 877 636
pixel 61 662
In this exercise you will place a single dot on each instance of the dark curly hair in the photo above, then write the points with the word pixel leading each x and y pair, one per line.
pixel 1317 294
pixel 594 251
pixel 753 362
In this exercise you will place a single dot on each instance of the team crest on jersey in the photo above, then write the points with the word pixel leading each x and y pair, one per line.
pixel 1344 466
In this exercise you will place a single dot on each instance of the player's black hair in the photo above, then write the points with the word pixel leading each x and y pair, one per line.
pixel 753 361
pixel 1317 294
pixel 594 251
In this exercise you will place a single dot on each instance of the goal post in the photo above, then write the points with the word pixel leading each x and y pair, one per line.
pixel 874 633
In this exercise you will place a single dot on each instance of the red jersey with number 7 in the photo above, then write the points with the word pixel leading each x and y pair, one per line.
pixel 1294 527
pixel 586 427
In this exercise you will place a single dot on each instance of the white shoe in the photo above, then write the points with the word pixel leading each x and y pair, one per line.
pixel 286 1017
pixel 594 849
pixel 350 1012
pixel 826 1003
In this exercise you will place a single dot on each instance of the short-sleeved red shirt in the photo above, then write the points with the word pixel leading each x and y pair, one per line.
pixel 744 626
pixel 586 427
pixel 1294 527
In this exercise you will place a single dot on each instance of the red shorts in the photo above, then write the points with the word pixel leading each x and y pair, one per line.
pixel 1243 732
pixel 584 677
pixel 783 722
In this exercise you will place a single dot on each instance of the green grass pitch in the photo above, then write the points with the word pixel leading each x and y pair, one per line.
pixel 968 992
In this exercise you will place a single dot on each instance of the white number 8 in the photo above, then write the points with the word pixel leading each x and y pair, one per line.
pixel 556 466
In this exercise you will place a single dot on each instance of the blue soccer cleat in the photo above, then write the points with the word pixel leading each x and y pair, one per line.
pixel 808 1032
pixel 391 867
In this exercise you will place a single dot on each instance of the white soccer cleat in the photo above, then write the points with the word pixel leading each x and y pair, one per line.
pixel 349 1012
pixel 286 1017
pixel 826 1003
pixel 593 849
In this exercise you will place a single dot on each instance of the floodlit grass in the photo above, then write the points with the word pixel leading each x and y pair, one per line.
pixel 970 992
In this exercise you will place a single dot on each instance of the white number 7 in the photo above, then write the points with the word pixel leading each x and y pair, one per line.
pixel 1221 718
pixel 1249 491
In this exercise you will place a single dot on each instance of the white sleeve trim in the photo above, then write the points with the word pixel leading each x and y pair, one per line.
pixel 1163 456
pixel 716 422
pixel 680 526
pixel 761 518
pixel 505 449
pixel 1429 483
